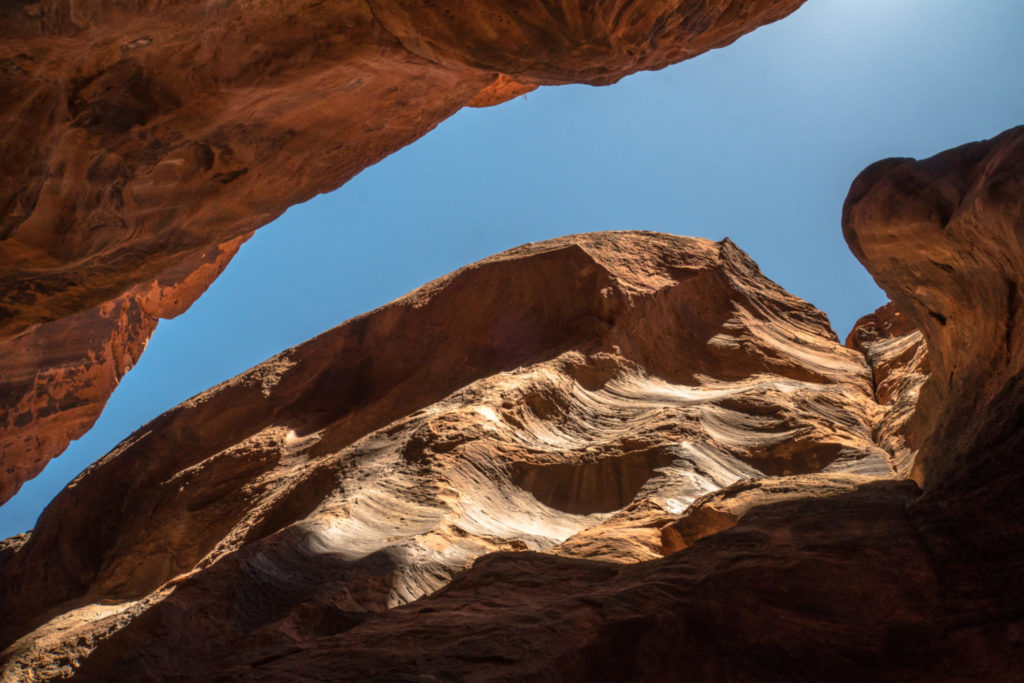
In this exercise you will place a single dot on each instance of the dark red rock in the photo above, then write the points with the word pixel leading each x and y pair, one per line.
pixel 552 465
pixel 945 237
pixel 880 580
pixel 55 378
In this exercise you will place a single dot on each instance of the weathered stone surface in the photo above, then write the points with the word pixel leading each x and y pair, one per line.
pixel 824 578
pixel 55 378
pixel 722 509
pixel 135 139
pixel 255 535
pixel 945 237
pixel 570 398
pixel 810 589
pixel 816 574
pixel 898 358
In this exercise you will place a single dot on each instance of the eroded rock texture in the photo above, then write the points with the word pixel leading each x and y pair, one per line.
pixel 137 138
pixel 898 357
pixel 564 402
pixel 560 412
pixel 945 237
pixel 56 378
pixel 806 578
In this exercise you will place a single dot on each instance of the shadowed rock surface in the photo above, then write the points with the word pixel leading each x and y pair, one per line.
pixel 945 237
pixel 566 400
pixel 142 143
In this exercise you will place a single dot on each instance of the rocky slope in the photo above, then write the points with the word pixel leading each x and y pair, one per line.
pixel 141 143
pixel 654 463
pixel 879 580
pixel 567 401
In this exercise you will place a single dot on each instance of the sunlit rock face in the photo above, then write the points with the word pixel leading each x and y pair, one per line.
pixel 560 412
pixel 807 577
pixel 565 401
pixel 141 144
pixel 55 378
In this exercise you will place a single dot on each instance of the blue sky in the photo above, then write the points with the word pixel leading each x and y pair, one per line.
pixel 758 142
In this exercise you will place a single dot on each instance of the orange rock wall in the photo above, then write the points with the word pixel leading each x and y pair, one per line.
pixel 136 137
pixel 571 397
pixel 334 511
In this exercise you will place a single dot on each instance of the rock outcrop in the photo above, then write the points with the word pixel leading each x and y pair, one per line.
pixel 567 400
pixel 56 378
pixel 945 237
pixel 654 463
pixel 141 142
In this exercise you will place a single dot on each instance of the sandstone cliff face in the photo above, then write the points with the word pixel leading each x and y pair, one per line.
pixel 659 401
pixel 567 401
pixel 944 237
pixel 956 222
pixel 56 378
pixel 136 139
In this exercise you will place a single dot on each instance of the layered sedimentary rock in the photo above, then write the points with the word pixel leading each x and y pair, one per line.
pixel 794 579
pixel 135 140
pixel 896 353
pixel 658 401
pixel 945 237
pixel 567 401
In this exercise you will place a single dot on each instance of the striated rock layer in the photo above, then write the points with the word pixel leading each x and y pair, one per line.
pixel 805 579
pixel 139 140
pixel 557 408
pixel 560 412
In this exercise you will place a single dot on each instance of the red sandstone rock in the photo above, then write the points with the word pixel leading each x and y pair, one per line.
pixel 944 237
pixel 571 398
pixel 573 436
pixel 55 378
pixel 813 576
pixel 135 140
pixel 821 579
pixel 898 357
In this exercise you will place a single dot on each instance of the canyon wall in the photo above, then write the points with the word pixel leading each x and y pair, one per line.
pixel 572 398
pixel 622 456
pixel 616 456
pixel 143 141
